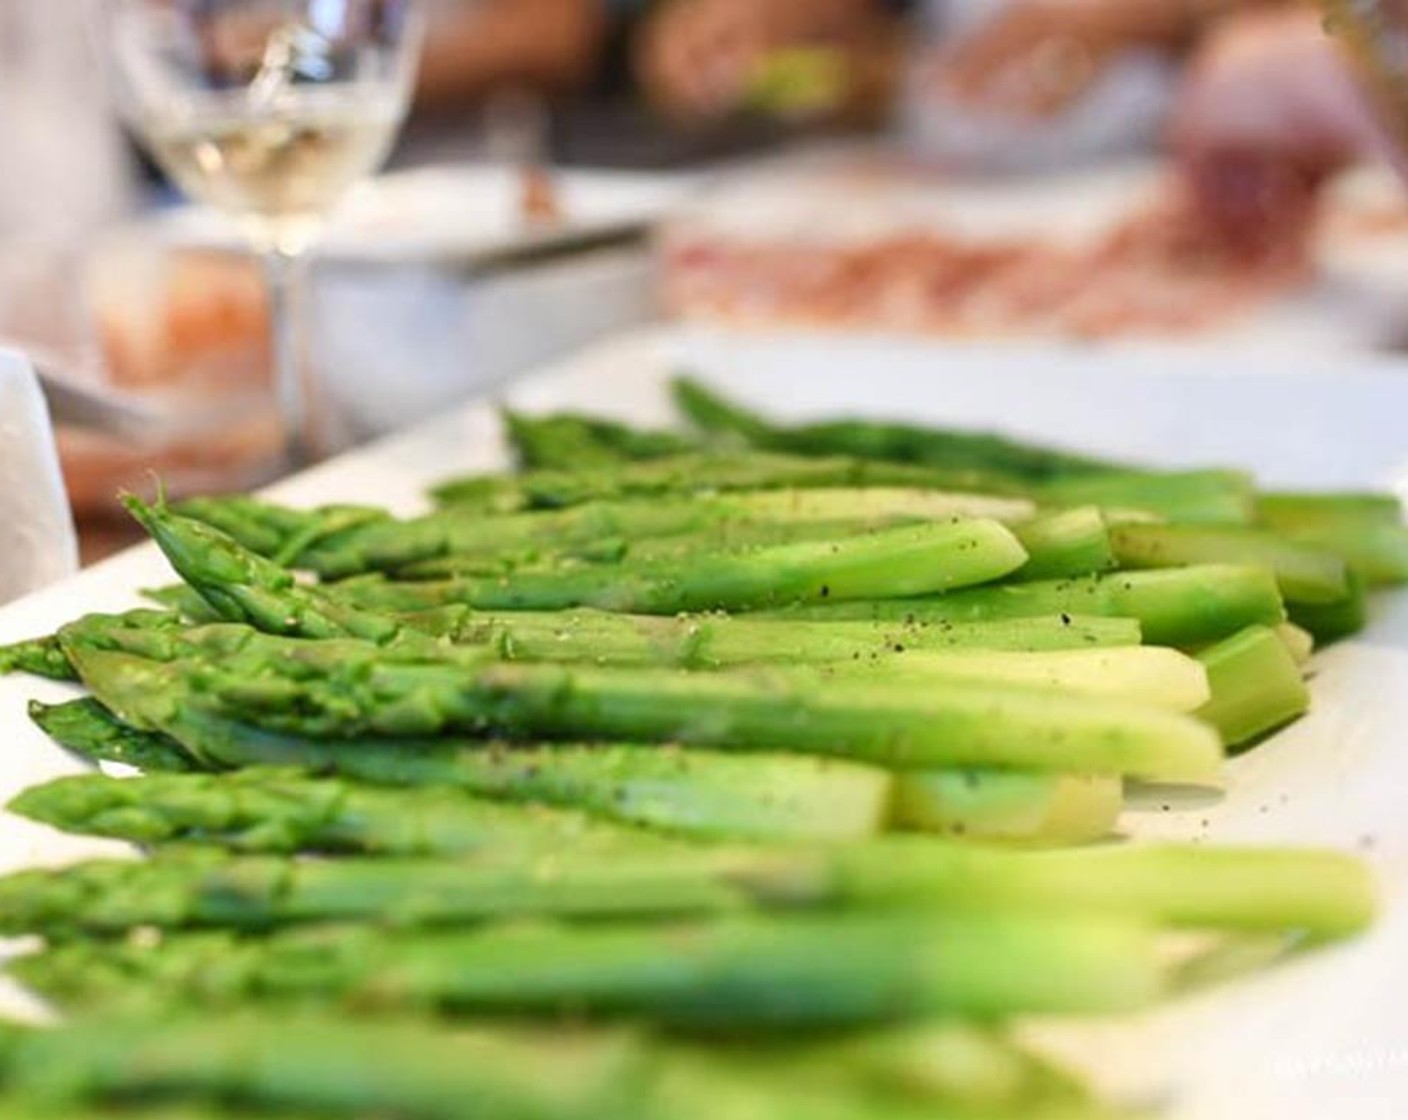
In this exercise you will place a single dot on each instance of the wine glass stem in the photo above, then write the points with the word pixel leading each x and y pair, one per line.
pixel 286 279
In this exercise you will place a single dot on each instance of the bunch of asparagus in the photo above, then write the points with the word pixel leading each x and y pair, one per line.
pixel 746 772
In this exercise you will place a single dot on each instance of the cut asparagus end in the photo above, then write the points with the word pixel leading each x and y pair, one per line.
pixel 1257 686
pixel 1074 542
pixel 1304 574
pixel 1162 678
pixel 1008 806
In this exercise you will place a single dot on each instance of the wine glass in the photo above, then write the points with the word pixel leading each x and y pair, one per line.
pixel 269 111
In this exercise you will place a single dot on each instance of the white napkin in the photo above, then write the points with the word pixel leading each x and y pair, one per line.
pixel 37 541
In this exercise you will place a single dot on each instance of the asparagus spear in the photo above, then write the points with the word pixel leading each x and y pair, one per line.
pixel 277 810
pixel 704 472
pixel 87 728
pixel 1300 644
pixel 1151 675
pixel 871 440
pixel 997 805
pixel 279 532
pixel 1256 686
pixel 1304 574
pixel 1175 607
pixel 1323 893
pixel 568 441
pixel 718 641
pixel 239 584
pixel 40 657
pixel 1366 529
pixel 908 560
pixel 326 544
pixel 1207 496
pixel 1329 622
pixel 406 1068
pixel 1065 543
pixel 754 972
pixel 1282 509
pixel 344 688
pixel 333 1066
pixel 244 587
pixel 701 792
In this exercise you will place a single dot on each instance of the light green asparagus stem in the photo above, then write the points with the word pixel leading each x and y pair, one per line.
pixel 338 689
pixel 273 810
pixel 275 1061
pixel 702 472
pixel 1151 675
pixel 1256 686
pixel 1207 497
pixel 1326 894
pixel 334 1066
pixel 997 805
pixel 743 972
pixel 1175 607
pixel 389 545
pixel 1300 644
pixel 700 792
pixel 1074 542
pixel 1366 530
pixel 1329 622
pixel 719 641
pixel 1304 574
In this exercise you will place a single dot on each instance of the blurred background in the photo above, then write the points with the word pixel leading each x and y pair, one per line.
pixel 1209 172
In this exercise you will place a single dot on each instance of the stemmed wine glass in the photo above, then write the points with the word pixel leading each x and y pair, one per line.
pixel 269 111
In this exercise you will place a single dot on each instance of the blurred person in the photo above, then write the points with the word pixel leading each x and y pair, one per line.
pixel 702 59
pixel 1038 57
pixel 1271 106
pixel 475 47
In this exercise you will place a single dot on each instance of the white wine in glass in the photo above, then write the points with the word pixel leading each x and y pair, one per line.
pixel 268 111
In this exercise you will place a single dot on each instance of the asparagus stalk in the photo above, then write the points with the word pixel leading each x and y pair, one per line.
pixel 1208 496
pixel 87 728
pixel 40 657
pixel 1256 686
pixel 277 1060
pixel 1304 574
pixel 278 532
pixel 345 688
pixel 1300 644
pixel 567 441
pixel 1073 542
pixel 329 545
pixel 871 440
pixel 720 641
pixel 332 1066
pixel 1002 806
pixel 244 587
pixel 1068 542
pixel 1366 530
pixel 1175 607
pixel 1150 675
pixel 239 584
pixel 702 472
pixel 1284 509
pixel 743 972
pixel 285 811
pixel 1329 622
pixel 1261 889
pixel 767 796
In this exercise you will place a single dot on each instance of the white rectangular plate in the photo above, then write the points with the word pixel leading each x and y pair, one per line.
pixel 1326 1035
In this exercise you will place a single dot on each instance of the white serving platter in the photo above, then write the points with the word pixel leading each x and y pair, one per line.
pixel 461 213
pixel 1325 1035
